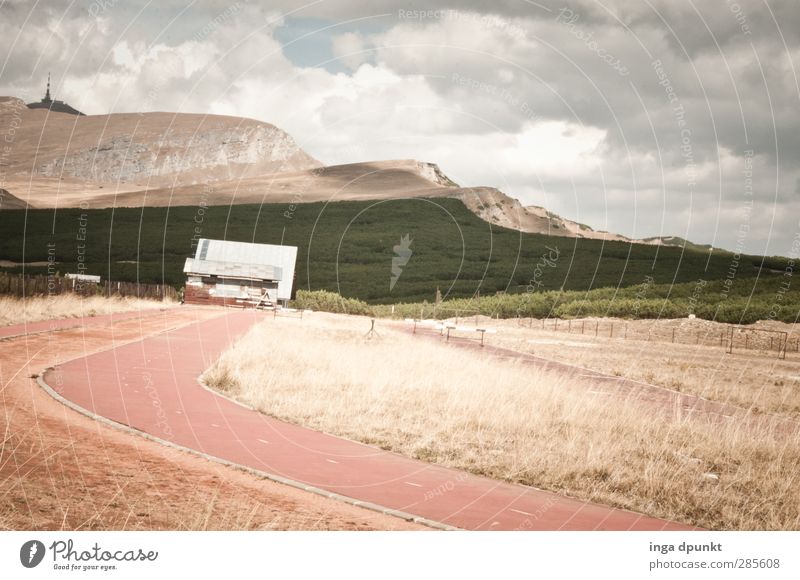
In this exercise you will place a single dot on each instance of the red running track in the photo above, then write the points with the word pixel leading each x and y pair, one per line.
pixel 151 385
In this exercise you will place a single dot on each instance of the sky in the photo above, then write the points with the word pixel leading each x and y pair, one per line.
pixel 641 117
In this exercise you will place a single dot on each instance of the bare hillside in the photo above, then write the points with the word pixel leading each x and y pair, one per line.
pixel 8 201
pixel 496 207
pixel 146 149
pixel 372 180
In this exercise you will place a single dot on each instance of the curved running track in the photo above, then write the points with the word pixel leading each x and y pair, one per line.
pixel 151 387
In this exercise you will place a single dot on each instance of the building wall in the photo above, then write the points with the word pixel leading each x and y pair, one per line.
pixel 201 295
pixel 206 291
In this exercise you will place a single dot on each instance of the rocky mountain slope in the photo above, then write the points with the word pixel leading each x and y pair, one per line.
pixel 147 149
pixel 496 207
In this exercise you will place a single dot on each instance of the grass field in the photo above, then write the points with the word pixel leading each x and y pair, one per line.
pixel 348 247
pixel 498 418
pixel 695 364
pixel 20 310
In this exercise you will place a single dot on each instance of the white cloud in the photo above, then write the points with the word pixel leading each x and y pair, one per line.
pixel 350 48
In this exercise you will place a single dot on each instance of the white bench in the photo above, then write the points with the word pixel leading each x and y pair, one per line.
pixel 449 326
pixel 445 327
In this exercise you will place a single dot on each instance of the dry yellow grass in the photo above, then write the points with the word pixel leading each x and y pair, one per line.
pixel 498 418
pixel 20 310
pixel 749 379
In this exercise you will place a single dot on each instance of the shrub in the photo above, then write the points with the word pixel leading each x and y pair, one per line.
pixel 324 301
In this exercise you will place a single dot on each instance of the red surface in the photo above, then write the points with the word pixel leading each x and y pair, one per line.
pixel 152 386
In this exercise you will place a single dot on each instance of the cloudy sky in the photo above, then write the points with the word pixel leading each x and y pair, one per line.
pixel 643 117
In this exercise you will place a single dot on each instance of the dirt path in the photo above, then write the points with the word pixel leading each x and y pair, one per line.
pixel 62 470
pixel 150 385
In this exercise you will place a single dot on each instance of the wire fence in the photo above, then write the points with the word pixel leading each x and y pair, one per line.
pixel 730 337
pixel 37 285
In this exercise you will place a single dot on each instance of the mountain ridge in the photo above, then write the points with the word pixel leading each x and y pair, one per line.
pixel 161 159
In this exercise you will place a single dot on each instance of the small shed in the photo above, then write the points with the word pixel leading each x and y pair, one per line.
pixel 240 274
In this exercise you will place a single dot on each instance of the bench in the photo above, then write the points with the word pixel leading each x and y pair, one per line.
pixel 447 327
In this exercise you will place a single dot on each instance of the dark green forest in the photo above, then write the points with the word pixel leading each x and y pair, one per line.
pixel 349 248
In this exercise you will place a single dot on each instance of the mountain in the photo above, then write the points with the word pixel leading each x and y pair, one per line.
pixel 70 154
pixel 8 201
pixel 172 159
pixel 494 206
